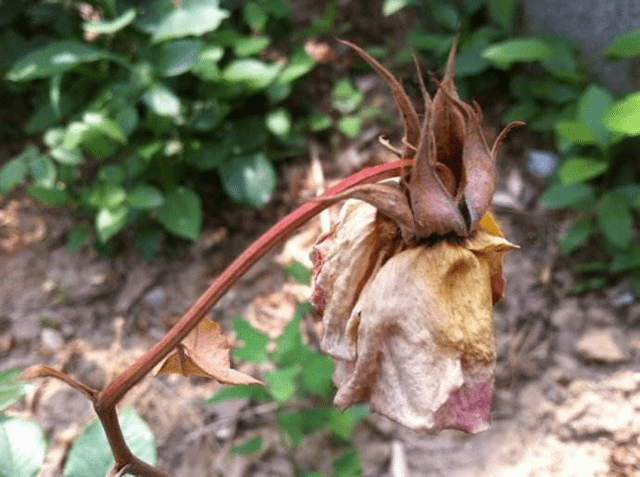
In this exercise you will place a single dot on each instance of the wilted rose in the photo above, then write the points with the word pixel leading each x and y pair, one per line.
pixel 410 327
pixel 407 280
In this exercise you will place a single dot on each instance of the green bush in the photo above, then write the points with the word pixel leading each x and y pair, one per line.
pixel 136 106
pixel 598 178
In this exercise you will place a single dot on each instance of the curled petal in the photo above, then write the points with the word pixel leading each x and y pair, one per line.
pixel 418 340
pixel 346 260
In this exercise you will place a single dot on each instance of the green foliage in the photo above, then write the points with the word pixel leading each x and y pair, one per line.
pixel 90 454
pixel 295 374
pixel 23 443
pixel 598 179
pixel 11 391
pixel 153 95
pixel 22 447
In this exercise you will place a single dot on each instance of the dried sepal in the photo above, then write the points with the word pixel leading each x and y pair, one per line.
pixel 205 352
pixel 410 328
pixel 452 180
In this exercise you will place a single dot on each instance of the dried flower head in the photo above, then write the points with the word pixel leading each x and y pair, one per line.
pixel 406 282
pixel 452 181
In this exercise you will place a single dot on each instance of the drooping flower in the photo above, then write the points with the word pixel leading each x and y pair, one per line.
pixel 407 279
pixel 410 327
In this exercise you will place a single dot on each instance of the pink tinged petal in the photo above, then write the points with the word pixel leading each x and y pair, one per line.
pixel 425 349
pixel 469 407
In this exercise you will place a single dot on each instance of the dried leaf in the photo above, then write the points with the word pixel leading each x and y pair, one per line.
pixel 205 352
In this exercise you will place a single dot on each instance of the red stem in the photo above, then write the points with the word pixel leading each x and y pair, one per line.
pixel 108 398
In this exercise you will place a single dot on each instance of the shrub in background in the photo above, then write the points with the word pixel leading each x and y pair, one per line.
pixel 134 100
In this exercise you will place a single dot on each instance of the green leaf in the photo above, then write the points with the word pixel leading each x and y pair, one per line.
pixel 112 174
pixel 249 446
pixel 446 15
pixel 281 382
pixel 615 220
pixel 254 392
pixel 347 465
pixel 55 58
pixel 298 272
pixel 177 57
pixel 316 375
pixel 588 285
pixel 250 45
pixel 279 122
pixel 144 196
pixel 342 423
pixel 576 236
pixel 594 103
pixel 581 169
pixel 631 192
pixel 560 196
pixel 12 173
pixel 22 447
pixel 350 126
pixel 57 197
pixel 627 44
pixel 147 240
pixel 249 179
pixel 208 154
pixel 90 455
pixel 626 260
pixel 181 213
pixel 110 27
pixel 291 423
pixel 319 122
pixel 63 155
pixel 77 238
pixel 255 16
pixel 11 391
pixel 43 171
pixel 522 111
pixel 345 98
pixel 502 12
pixel 289 346
pixel 624 116
pixel 109 222
pixel 506 53
pixel 194 17
pixel 254 347
pixel 576 132
pixel 300 63
pixel 469 62
pixel 162 101
pixel 389 7
pixel 251 73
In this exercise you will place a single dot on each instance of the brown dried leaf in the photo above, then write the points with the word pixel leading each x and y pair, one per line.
pixel 205 352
